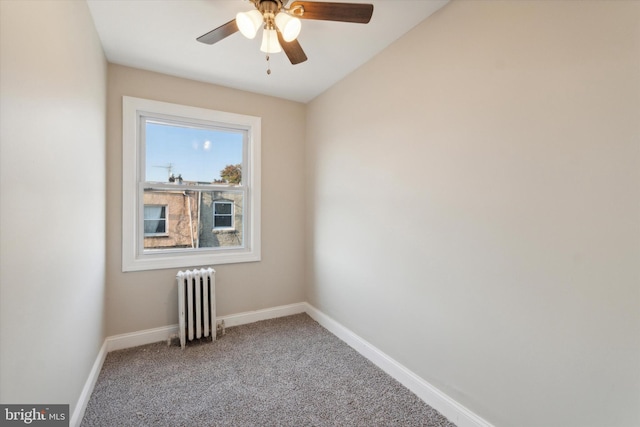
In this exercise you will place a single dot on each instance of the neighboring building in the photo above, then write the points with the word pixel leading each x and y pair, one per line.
pixel 221 219
pixel 170 219
pixel 183 219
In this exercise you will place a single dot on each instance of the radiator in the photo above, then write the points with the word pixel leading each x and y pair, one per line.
pixel 196 304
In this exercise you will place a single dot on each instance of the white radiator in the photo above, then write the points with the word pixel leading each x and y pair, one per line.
pixel 196 304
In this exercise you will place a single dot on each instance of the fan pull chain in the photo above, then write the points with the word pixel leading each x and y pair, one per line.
pixel 268 66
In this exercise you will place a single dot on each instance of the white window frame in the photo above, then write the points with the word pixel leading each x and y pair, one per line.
pixel 232 214
pixel 165 219
pixel 134 258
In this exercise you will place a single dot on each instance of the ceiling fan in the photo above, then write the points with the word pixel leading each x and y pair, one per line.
pixel 281 25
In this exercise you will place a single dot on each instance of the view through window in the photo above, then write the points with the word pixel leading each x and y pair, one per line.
pixel 196 172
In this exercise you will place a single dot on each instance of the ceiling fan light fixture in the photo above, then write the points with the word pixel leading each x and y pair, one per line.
pixel 270 42
pixel 249 23
pixel 281 24
pixel 289 26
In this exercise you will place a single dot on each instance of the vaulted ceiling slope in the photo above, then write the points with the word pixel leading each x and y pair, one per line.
pixel 160 35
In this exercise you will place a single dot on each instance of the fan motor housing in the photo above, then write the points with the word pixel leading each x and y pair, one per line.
pixel 268 6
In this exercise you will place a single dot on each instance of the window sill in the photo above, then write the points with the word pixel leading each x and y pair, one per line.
pixel 183 260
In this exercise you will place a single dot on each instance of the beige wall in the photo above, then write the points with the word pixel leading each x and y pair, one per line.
pixel 473 208
pixel 52 190
pixel 143 300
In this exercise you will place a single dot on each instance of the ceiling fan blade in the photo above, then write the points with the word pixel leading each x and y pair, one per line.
pixel 359 13
pixel 219 33
pixel 293 50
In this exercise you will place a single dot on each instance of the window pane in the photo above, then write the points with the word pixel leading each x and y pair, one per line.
pixel 152 226
pixel 154 212
pixel 223 208
pixel 191 155
pixel 222 221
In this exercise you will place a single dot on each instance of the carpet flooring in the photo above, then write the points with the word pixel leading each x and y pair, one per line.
pixel 288 371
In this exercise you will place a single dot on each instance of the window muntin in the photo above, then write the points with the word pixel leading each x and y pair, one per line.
pixel 186 158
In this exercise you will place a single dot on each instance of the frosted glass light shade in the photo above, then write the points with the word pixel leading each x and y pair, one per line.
pixel 289 26
pixel 249 23
pixel 270 42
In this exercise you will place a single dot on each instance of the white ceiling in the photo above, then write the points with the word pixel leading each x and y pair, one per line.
pixel 160 35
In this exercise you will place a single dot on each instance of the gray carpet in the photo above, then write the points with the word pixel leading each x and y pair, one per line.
pixel 288 371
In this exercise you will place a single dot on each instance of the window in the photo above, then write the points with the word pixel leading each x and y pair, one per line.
pixel 191 186
pixel 155 220
pixel 222 214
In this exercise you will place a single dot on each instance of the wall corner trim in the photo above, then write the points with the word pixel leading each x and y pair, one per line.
pixel 433 397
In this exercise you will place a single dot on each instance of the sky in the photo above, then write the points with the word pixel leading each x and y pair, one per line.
pixel 198 154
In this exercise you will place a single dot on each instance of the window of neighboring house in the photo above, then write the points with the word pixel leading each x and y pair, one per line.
pixel 155 220
pixel 223 215
pixel 188 172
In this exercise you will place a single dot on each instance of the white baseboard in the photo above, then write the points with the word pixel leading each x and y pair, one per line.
pixel 85 395
pixel 135 339
pixel 259 315
pixel 149 336
pixel 454 411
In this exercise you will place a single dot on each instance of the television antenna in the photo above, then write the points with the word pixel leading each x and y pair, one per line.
pixel 168 167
